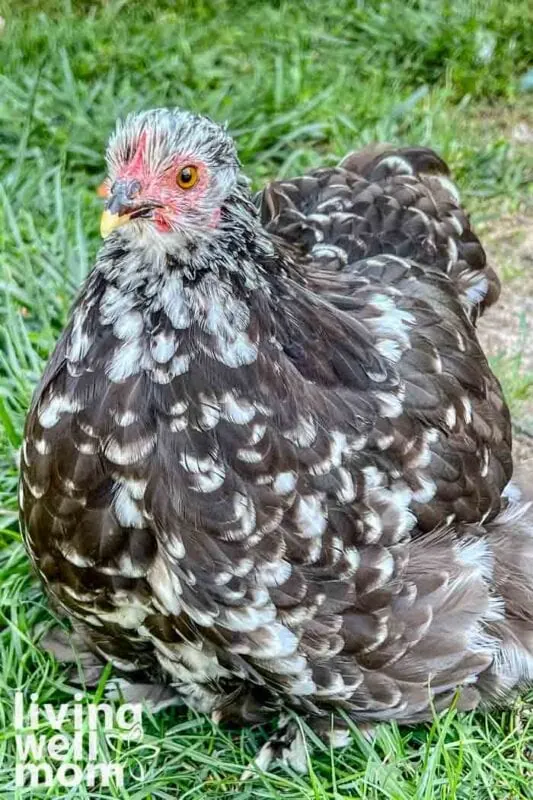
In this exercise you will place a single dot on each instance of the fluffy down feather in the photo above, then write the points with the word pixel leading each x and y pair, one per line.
pixel 267 465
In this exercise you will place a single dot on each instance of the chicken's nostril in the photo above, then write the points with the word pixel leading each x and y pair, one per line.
pixel 123 195
pixel 134 189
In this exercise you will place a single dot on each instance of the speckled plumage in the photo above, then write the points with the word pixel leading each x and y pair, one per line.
pixel 266 462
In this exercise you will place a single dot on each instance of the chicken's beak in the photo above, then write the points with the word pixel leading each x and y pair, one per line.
pixel 109 222
pixel 123 204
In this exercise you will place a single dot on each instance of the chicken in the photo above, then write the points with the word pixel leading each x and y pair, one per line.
pixel 268 464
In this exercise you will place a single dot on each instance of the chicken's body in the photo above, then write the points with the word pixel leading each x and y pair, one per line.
pixel 267 467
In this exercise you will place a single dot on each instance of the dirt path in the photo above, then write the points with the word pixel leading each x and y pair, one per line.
pixel 505 331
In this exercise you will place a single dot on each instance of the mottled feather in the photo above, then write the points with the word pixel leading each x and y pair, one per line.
pixel 267 465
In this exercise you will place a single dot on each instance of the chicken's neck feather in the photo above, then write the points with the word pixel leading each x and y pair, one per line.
pixel 213 312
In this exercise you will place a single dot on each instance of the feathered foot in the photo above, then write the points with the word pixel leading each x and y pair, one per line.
pixel 154 696
pixel 86 668
pixel 289 746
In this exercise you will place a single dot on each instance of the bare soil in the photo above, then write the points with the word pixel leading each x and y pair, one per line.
pixel 506 327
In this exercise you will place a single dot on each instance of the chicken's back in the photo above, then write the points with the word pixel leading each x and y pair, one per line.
pixel 387 225
pixel 383 200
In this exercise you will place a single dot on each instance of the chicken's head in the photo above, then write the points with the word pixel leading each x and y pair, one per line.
pixel 169 173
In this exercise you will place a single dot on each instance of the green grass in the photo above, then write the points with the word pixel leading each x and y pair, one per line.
pixel 299 86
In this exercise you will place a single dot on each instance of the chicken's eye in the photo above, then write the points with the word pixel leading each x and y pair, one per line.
pixel 187 177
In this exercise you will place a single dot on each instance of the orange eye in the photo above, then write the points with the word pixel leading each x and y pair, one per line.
pixel 187 177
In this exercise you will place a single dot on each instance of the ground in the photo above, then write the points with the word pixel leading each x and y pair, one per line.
pixel 299 84
pixel 505 331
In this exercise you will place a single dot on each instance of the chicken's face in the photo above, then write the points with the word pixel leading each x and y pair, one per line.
pixel 169 175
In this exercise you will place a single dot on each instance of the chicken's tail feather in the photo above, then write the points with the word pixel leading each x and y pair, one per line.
pixel 462 620
pixel 510 537
pixel 418 178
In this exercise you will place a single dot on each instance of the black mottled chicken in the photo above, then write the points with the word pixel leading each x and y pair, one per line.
pixel 267 466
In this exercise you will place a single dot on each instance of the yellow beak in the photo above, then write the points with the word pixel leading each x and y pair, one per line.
pixel 110 221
